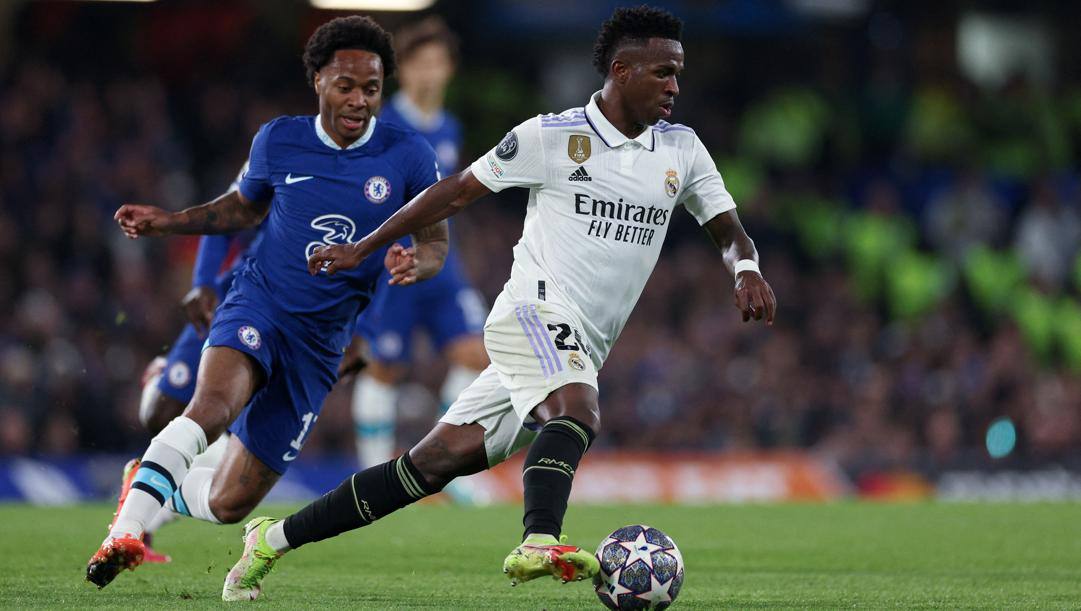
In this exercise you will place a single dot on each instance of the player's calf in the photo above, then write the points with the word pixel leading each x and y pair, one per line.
pixel 450 451
pixel 361 499
pixel 548 472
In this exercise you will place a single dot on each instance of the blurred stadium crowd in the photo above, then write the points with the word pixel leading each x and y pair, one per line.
pixel 921 233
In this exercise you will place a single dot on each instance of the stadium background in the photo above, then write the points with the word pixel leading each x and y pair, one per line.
pixel 909 175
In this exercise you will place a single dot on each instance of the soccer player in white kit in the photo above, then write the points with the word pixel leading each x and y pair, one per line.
pixel 603 182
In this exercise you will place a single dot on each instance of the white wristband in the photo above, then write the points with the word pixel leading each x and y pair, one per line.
pixel 747 265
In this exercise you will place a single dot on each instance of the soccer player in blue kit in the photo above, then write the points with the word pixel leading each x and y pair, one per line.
pixel 450 311
pixel 169 381
pixel 278 337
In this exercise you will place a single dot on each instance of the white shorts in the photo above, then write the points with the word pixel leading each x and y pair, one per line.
pixel 536 347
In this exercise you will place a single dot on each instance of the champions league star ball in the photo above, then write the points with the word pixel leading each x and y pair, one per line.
pixel 641 568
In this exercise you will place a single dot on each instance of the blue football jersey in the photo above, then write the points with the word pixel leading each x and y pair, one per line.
pixel 443 131
pixel 322 194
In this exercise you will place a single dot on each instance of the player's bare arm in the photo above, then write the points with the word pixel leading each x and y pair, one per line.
pixel 228 213
pixel 754 296
pixel 439 202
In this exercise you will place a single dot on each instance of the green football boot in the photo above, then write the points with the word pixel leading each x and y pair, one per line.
pixel 245 579
pixel 541 555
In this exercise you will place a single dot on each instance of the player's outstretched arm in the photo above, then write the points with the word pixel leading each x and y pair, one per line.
pixel 754 296
pixel 436 204
pixel 230 212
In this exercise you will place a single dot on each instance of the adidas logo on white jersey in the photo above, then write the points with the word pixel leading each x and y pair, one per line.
pixel 580 175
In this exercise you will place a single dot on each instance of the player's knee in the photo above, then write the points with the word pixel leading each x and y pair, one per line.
pixel 578 401
pixel 230 509
pixel 586 413
pixel 213 412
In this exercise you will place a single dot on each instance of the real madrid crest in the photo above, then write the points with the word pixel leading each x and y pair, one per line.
pixel 578 149
pixel 377 189
pixel 671 183
pixel 576 361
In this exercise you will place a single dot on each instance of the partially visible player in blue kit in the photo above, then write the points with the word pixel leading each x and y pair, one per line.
pixel 446 307
pixel 277 340
pixel 170 383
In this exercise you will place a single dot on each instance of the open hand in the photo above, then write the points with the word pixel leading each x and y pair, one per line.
pixel 333 258
pixel 136 220
pixel 754 297
pixel 198 306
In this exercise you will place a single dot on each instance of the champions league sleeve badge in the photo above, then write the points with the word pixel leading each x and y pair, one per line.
pixel 508 147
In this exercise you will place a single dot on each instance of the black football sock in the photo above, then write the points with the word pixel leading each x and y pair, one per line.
pixel 360 500
pixel 548 472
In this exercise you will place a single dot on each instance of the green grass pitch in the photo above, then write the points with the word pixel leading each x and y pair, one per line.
pixel 845 555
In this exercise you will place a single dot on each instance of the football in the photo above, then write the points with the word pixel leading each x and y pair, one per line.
pixel 641 568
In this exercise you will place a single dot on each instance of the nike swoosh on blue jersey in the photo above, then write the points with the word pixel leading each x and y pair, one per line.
pixel 290 180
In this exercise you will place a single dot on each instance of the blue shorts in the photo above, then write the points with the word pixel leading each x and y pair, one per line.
pixel 445 306
pixel 182 362
pixel 299 372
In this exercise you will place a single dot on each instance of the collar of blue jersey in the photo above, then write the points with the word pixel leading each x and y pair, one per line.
pixel 414 116
pixel 327 140
pixel 608 132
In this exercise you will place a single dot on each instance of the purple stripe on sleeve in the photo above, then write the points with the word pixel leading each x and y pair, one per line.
pixel 558 124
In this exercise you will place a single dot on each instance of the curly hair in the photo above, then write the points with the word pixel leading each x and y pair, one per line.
pixel 354 32
pixel 431 30
pixel 627 25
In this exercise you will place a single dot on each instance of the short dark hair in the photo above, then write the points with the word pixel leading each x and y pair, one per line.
pixel 354 32
pixel 426 31
pixel 629 25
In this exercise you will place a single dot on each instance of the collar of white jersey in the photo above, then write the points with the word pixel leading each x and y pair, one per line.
pixel 608 132
pixel 327 140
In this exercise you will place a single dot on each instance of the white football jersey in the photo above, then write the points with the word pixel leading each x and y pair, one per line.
pixel 599 208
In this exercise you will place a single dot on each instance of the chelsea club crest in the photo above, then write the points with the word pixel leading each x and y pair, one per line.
pixel 250 336
pixel 377 189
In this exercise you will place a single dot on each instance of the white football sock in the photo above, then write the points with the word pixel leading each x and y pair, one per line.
pixel 163 517
pixel 275 537
pixel 373 415
pixel 192 498
pixel 165 462
pixel 458 379
pixel 209 459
